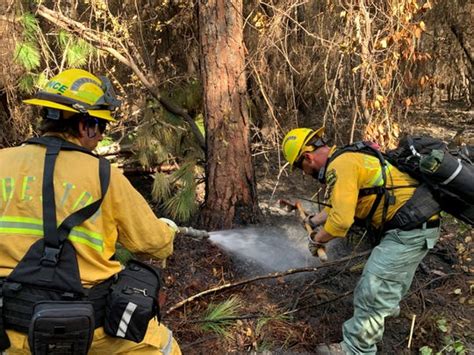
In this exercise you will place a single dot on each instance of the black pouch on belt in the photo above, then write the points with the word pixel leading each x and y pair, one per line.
pixel 61 328
pixel 132 301
pixel 4 341
pixel 417 210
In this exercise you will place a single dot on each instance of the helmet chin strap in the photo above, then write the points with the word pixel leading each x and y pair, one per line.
pixel 320 175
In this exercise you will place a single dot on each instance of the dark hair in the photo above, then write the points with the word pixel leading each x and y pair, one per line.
pixel 57 121
pixel 69 125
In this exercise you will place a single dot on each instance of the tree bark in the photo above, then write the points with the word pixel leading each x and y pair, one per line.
pixel 231 196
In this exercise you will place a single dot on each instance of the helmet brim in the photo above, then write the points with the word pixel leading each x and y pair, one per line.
pixel 50 104
pixel 102 114
pixel 318 133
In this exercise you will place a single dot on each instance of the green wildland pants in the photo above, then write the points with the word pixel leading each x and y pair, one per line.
pixel 386 278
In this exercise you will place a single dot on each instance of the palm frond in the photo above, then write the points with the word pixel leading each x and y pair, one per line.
pixel 216 316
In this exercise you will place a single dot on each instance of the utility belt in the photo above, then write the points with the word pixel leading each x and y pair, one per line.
pixel 123 305
pixel 19 301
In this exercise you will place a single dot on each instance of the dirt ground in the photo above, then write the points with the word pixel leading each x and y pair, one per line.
pixel 293 314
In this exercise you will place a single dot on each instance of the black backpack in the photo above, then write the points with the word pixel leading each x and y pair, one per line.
pixel 446 181
pixel 449 173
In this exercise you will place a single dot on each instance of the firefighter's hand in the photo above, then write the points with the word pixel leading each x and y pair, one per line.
pixel 314 246
pixel 316 220
pixel 310 220
pixel 170 224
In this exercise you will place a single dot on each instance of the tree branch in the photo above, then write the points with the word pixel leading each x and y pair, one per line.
pixel 265 277
pixel 110 45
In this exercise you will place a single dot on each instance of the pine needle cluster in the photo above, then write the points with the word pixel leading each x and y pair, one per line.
pixel 218 317
pixel 163 140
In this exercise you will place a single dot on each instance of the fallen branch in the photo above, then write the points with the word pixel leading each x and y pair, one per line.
pixel 114 149
pixel 265 277
pixel 261 315
pixel 110 44
pixel 343 295
pixel 422 287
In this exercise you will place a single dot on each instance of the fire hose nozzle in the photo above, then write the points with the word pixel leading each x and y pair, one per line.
pixel 195 233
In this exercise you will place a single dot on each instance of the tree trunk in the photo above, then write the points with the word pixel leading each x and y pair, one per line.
pixel 230 189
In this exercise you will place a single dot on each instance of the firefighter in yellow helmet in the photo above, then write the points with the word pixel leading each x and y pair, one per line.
pixel 76 107
pixel 361 186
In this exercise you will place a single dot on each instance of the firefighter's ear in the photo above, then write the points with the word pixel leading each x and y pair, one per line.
pixel 82 128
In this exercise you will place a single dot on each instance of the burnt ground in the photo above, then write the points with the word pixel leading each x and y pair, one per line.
pixel 293 314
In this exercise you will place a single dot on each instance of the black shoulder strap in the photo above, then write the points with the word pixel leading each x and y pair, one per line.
pixel 86 212
pixel 54 236
pixel 357 147
pixel 56 141
pixel 379 191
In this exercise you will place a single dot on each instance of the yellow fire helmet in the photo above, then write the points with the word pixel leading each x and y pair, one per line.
pixel 295 141
pixel 77 90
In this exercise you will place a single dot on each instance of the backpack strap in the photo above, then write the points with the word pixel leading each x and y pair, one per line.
pixel 55 236
pixel 380 191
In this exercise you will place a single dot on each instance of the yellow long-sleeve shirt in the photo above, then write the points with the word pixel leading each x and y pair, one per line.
pixel 123 217
pixel 351 172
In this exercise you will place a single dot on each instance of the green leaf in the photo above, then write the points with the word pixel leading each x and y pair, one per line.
pixel 27 55
pixel 200 124
pixel 426 350
pixel 77 53
pixel 75 50
pixel 106 141
pixel 459 347
pixel 442 325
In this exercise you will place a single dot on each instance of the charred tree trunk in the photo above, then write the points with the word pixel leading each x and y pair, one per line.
pixel 230 189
